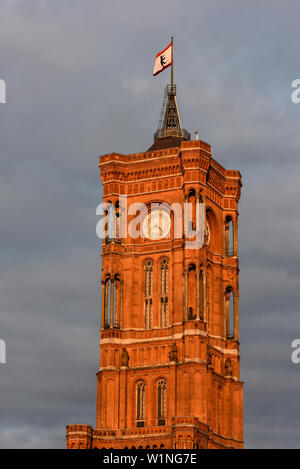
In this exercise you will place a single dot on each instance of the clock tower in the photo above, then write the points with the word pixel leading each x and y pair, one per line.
pixel 169 337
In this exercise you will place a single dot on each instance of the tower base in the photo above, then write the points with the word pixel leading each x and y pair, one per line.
pixel 184 433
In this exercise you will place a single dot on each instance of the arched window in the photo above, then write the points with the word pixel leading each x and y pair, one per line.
pixel 105 227
pixel 229 312
pixel 192 201
pixel 140 403
pixel 107 303
pixel 109 221
pixel 162 401
pixel 229 251
pixel 164 293
pixel 111 301
pixel 117 223
pixel 148 294
pixel 117 302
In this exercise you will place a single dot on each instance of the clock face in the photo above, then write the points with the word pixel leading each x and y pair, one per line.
pixel 157 225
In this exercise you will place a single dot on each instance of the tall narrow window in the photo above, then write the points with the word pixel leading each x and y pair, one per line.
pixel 110 221
pixel 164 293
pixel 148 293
pixel 140 403
pixel 117 302
pixel 192 201
pixel 111 297
pixel 162 402
pixel 105 227
pixel 117 223
pixel 107 303
pixel 229 237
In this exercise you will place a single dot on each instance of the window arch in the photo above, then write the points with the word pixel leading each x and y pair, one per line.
pixel 164 292
pixel 140 403
pixel 148 294
pixel 161 401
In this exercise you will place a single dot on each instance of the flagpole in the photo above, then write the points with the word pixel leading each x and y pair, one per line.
pixel 172 59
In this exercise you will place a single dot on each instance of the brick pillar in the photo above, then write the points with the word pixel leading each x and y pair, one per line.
pixel 123 398
pixel 172 391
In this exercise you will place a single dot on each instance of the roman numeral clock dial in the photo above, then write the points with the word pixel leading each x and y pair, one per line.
pixel 157 225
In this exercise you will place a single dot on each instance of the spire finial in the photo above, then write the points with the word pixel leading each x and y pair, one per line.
pixel 170 123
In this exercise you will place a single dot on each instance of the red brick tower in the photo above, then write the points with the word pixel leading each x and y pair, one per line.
pixel 169 339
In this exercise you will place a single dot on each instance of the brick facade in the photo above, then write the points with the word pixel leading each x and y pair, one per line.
pixel 169 351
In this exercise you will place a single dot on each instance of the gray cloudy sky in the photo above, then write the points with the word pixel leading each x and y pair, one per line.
pixel 79 84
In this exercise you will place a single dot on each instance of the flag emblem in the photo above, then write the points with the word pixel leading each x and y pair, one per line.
pixel 163 60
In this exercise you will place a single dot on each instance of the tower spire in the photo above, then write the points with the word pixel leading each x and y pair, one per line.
pixel 169 133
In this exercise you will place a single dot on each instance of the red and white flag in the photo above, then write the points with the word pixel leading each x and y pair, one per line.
pixel 163 60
